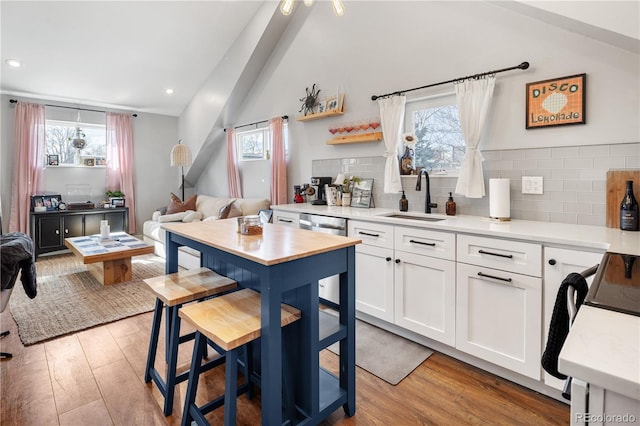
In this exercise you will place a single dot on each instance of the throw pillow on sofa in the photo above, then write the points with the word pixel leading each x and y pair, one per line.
pixel 177 206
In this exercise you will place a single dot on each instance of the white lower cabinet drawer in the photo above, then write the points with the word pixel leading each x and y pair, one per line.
pixel 513 256
pixel 372 234
pixel 286 218
pixel 498 318
pixel 426 242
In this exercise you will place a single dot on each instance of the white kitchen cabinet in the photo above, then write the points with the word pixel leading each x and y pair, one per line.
pixel 375 281
pixel 286 218
pixel 425 296
pixel 406 276
pixel 498 317
pixel 558 263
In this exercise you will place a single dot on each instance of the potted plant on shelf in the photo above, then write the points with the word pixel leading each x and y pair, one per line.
pixel 116 198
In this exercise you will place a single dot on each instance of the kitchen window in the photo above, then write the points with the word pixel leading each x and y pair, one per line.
pixel 254 144
pixel 59 136
pixel 436 123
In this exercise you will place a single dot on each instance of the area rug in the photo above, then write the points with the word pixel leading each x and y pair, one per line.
pixel 76 301
pixel 385 355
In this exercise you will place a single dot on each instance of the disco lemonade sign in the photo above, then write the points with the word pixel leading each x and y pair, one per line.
pixel 556 102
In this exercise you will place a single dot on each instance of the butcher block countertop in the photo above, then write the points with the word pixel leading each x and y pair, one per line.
pixel 277 244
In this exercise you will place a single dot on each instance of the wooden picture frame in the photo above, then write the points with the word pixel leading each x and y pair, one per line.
pixel 53 160
pixel 101 161
pixel 321 106
pixel 556 102
pixel 361 193
pixel 89 162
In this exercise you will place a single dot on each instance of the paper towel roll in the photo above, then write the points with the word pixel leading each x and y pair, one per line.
pixel 499 199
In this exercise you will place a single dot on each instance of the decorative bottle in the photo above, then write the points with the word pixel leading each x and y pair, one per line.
pixel 629 210
pixel 404 203
pixel 450 206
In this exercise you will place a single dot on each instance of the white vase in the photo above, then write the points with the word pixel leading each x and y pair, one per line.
pixel 346 199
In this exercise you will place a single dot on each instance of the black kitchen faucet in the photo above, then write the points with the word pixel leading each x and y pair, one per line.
pixel 428 205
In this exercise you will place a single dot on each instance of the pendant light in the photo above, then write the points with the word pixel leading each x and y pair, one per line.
pixel 286 6
pixel 338 7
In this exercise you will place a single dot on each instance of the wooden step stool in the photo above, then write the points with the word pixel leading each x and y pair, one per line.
pixel 172 291
pixel 230 322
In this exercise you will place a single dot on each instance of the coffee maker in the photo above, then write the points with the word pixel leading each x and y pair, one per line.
pixel 318 184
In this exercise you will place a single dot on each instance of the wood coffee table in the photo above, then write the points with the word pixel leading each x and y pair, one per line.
pixel 108 260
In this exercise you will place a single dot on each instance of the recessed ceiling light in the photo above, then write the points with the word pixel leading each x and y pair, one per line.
pixel 169 91
pixel 13 63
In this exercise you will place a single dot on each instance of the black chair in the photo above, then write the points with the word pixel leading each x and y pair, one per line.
pixel 4 301
pixel 16 258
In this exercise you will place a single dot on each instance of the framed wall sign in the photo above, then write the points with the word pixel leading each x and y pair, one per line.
pixel 556 102
pixel 361 193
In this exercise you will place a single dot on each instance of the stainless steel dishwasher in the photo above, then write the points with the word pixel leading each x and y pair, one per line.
pixel 329 287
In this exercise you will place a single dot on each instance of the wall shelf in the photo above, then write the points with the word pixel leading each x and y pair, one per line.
pixel 320 115
pixel 358 138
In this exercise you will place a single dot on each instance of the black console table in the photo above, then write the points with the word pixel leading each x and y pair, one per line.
pixel 49 229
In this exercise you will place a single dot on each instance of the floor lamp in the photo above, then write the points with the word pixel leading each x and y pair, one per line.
pixel 181 156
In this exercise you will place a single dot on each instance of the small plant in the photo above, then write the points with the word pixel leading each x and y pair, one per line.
pixel 347 184
pixel 114 194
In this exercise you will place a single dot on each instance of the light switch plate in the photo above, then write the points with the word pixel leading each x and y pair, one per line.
pixel 532 185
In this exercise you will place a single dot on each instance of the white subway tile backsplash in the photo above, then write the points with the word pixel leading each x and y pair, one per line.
pixel 548 163
pixel 632 162
pixel 593 151
pixel 624 150
pixel 537 153
pixel 565 152
pixel 584 208
pixel 579 163
pixel 574 192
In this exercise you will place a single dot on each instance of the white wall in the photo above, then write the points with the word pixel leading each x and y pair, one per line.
pixel 380 47
pixel 153 135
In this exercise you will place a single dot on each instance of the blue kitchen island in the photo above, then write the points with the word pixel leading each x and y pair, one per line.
pixel 284 264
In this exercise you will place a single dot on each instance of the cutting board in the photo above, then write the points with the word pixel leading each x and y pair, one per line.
pixel 616 187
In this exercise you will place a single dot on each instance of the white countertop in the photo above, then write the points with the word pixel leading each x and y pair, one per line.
pixel 603 348
pixel 596 237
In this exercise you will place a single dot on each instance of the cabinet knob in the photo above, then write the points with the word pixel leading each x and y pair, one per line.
pixel 552 262
pixel 66 231
pixel 57 232
pixel 398 260
pixel 388 259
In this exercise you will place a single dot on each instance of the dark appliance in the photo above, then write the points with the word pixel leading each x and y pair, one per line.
pixel 616 285
pixel 318 184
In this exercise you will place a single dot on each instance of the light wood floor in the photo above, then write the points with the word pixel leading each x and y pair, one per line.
pixel 95 377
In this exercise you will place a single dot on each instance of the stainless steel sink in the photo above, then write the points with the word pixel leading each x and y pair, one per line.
pixel 423 218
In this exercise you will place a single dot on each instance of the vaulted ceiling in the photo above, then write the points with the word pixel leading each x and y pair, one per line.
pixel 125 54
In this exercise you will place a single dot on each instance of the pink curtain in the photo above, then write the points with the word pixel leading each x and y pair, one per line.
pixel 278 162
pixel 233 176
pixel 28 163
pixel 120 166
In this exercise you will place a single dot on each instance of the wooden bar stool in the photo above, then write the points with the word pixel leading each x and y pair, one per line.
pixel 172 291
pixel 230 322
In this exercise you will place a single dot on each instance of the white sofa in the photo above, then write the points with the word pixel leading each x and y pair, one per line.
pixel 207 208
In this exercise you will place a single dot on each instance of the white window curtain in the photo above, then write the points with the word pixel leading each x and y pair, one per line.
pixel 233 175
pixel 474 102
pixel 392 120
pixel 28 163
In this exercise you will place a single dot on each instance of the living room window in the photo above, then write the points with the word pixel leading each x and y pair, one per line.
pixel 254 144
pixel 60 137
pixel 436 124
